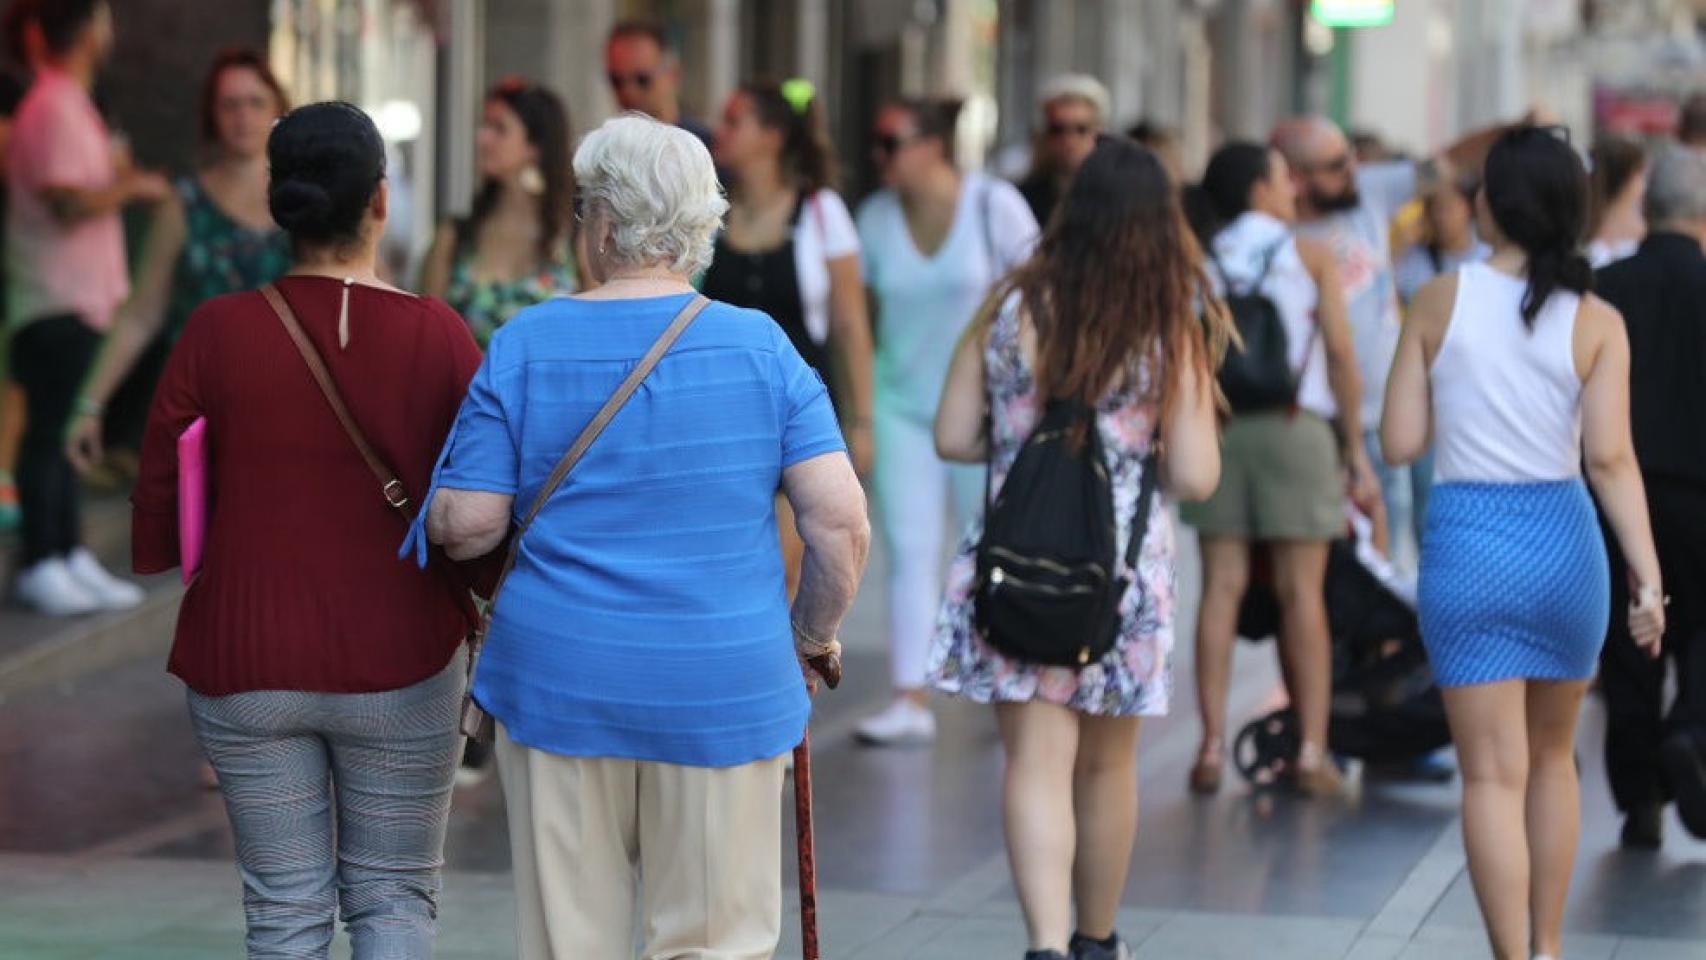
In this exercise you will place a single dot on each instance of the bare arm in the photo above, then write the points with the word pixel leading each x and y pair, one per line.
pixel 135 326
pixel 829 512
pixel 468 523
pixel 1406 424
pixel 1191 434
pixel 1602 350
pixel 964 408
pixel 75 204
pixel 435 267
pixel 1342 376
pixel 850 333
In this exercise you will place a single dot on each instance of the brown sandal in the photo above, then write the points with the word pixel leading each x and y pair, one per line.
pixel 1205 776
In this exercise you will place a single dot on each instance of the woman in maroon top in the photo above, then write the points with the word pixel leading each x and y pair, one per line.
pixel 322 670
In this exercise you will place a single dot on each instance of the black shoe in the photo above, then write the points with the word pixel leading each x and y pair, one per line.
pixel 1686 774
pixel 1644 827
pixel 1045 955
pixel 1113 948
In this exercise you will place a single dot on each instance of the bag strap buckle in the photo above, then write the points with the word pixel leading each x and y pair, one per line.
pixel 395 495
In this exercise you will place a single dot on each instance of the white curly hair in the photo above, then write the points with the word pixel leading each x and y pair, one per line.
pixel 656 184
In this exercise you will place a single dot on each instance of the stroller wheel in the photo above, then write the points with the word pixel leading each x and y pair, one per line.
pixel 1264 747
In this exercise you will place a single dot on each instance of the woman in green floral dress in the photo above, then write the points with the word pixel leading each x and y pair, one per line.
pixel 514 248
pixel 215 236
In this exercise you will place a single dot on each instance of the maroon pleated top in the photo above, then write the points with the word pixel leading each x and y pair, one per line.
pixel 301 587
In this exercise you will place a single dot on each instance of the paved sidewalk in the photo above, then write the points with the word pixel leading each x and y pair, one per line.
pixel 109 850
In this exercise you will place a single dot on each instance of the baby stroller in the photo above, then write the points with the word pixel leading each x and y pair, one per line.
pixel 1386 708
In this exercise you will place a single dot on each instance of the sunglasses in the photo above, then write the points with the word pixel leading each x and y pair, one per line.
pixel 1058 130
pixel 889 144
pixel 1338 164
pixel 640 81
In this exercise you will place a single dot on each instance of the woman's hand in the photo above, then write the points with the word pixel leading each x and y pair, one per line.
pixel 861 447
pixel 83 440
pixel 1360 481
pixel 1647 615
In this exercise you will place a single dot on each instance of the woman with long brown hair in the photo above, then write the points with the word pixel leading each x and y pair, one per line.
pixel 515 247
pixel 1104 314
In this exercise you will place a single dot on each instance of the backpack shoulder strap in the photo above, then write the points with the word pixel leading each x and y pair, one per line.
pixel 1150 481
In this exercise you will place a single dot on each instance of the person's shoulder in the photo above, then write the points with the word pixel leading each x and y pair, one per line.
pixel 1434 301
pixel 1598 315
pixel 882 203
pixel 739 326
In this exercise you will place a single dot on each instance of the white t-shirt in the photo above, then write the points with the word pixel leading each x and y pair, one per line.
pixel 924 303
pixel 1241 249
pixel 824 232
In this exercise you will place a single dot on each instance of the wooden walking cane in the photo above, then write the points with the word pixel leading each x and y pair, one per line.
pixel 828 667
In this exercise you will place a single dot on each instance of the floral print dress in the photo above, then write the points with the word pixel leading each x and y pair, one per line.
pixel 220 255
pixel 1135 678
pixel 487 304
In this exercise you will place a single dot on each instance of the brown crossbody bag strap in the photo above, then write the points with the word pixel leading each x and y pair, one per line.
pixel 476 723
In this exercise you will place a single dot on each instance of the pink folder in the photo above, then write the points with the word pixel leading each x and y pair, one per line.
pixel 192 497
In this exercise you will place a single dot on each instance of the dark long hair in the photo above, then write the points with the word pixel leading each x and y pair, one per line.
pixel 936 118
pixel 1224 193
pixel 808 158
pixel 235 58
pixel 546 123
pixel 1117 276
pixel 1537 192
pixel 1616 163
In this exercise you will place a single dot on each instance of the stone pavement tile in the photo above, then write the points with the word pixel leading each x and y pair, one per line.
pixel 1378 946
pixel 1214 936
pixel 849 922
pixel 47 951
pixel 1439 942
pixel 1640 948
pixel 109 904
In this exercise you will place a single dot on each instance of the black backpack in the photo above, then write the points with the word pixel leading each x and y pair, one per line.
pixel 1047 588
pixel 1257 377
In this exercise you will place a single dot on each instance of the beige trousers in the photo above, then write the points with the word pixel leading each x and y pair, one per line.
pixel 697 850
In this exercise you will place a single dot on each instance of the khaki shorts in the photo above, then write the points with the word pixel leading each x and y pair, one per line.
pixel 1279 480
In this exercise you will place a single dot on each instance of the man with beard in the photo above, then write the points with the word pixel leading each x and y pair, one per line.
pixel 1074 114
pixel 1350 207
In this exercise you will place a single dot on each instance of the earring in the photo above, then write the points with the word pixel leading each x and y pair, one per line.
pixel 531 180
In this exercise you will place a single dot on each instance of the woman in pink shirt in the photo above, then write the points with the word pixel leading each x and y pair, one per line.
pixel 66 266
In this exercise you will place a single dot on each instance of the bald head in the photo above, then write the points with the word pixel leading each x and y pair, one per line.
pixel 1323 168
pixel 1307 141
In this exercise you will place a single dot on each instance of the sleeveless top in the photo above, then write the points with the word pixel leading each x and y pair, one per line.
pixel 1506 398
pixel 767 280
pixel 220 255
pixel 1240 251
pixel 485 305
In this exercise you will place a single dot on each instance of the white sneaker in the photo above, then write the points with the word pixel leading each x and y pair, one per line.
pixel 48 587
pixel 902 723
pixel 109 591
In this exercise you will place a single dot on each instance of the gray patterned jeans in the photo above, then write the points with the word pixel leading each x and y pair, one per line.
pixel 384 762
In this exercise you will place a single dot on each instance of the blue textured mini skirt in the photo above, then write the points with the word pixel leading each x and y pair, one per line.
pixel 1514 582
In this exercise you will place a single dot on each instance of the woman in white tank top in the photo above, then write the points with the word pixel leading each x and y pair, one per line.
pixel 1516 373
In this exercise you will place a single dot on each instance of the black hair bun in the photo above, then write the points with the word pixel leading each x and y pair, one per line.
pixel 300 206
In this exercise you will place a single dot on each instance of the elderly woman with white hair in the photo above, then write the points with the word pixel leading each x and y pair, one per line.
pixel 641 658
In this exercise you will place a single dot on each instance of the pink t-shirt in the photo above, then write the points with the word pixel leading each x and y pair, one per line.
pixel 59 140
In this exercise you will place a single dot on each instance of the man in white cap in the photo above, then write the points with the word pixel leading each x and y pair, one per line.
pixel 1074 114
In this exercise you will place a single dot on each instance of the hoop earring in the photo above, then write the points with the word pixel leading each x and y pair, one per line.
pixel 531 180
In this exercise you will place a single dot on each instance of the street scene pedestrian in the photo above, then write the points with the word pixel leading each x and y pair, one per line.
pixel 641 732
pixel 1287 473
pixel 660 480
pixel 515 248
pixel 323 676
pixel 1654 752
pixel 1058 331
pixel 1520 376
pixel 934 242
